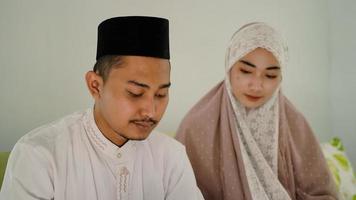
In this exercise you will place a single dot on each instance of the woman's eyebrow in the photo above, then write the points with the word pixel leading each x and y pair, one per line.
pixel 248 63
pixel 274 67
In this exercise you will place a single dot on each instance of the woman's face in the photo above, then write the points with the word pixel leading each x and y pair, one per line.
pixel 255 77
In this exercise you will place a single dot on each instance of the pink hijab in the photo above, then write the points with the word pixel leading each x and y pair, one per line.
pixel 233 158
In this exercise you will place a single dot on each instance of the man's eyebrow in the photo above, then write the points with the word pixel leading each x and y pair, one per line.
pixel 167 85
pixel 252 65
pixel 273 68
pixel 138 84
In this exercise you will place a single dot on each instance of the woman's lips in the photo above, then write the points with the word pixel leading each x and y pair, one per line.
pixel 253 98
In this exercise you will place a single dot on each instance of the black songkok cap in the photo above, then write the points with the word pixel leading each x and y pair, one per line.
pixel 134 35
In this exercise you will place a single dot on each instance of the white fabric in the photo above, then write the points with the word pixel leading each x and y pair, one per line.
pixel 70 159
pixel 254 35
pixel 258 128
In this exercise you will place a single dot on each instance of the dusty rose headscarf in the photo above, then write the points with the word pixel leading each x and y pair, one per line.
pixel 268 153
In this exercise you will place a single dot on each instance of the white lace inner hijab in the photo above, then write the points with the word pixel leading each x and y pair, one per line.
pixel 258 129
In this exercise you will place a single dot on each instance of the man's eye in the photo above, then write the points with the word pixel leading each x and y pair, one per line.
pixel 134 94
pixel 161 95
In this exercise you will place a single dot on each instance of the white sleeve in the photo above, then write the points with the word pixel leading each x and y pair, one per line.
pixel 182 183
pixel 28 175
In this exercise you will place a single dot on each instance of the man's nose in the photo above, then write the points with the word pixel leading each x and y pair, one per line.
pixel 148 109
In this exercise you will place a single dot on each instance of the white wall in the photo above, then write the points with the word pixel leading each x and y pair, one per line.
pixel 343 72
pixel 47 46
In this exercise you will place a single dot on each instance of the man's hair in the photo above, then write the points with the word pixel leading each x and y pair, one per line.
pixel 104 65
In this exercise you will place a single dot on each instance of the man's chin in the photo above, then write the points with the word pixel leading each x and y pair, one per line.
pixel 140 135
pixel 138 139
pixel 138 132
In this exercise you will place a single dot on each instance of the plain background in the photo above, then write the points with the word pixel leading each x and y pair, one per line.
pixel 47 47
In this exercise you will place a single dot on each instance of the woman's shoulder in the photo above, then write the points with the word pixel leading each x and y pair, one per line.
pixel 294 122
pixel 289 111
pixel 209 103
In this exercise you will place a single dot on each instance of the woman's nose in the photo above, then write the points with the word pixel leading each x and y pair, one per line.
pixel 256 84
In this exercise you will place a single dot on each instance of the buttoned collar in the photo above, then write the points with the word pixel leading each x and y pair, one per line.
pixel 101 143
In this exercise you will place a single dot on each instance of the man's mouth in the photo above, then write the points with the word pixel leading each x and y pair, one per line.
pixel 144 124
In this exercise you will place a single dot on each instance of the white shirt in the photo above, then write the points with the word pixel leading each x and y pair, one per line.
pixel 70 159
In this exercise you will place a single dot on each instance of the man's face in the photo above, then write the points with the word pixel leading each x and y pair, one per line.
pixel 255 77
pixel 133 99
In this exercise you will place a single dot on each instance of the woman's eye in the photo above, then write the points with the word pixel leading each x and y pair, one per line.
pixel 271 76
pixel 245 71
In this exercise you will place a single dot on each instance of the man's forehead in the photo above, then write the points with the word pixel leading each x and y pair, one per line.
pixel 141 64
pixel 142 75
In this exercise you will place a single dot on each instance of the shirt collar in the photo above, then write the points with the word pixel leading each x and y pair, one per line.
pixel 105 145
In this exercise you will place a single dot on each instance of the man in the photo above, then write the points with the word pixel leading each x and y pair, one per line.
pixel 110 152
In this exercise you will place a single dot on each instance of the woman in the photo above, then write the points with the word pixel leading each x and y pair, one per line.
pixel 244 139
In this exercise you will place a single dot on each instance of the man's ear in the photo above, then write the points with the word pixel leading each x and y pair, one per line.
pixel 94 83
